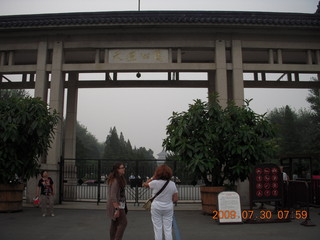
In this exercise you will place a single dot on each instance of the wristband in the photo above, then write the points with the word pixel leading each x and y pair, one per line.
pixel 116 209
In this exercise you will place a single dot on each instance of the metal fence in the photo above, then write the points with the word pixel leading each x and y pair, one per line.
pixel 315 191
pixel 303 192
pixel 85 180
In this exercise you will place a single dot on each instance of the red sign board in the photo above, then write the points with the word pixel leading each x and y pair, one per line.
pixel 266 183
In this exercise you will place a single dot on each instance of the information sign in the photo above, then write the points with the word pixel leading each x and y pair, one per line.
pixel 229 207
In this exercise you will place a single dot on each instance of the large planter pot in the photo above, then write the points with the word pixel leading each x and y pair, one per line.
pixel 209 198
pixel 11 197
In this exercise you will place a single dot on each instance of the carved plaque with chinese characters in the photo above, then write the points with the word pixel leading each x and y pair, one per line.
pixel 138 56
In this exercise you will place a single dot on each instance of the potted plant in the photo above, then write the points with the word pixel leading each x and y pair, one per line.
pixel 220 145
pixel 26 130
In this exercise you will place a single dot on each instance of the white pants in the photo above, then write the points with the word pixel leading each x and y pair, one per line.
pixel 162 220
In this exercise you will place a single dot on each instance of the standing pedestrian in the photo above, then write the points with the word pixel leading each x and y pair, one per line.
pixel 285 176
pixel 285 179
pixel 116 201
pixel 162 205
pixel 46 190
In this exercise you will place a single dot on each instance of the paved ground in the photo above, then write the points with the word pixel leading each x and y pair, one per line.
pixel 87 221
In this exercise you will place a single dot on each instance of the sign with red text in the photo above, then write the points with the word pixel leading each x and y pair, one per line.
pixel 266 183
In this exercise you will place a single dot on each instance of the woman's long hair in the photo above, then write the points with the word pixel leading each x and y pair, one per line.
pixel 163 172
pixel 115 175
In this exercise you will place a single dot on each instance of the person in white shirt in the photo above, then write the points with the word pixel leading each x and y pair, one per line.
pixel 162 205
pixel 285 179
pixel 284 175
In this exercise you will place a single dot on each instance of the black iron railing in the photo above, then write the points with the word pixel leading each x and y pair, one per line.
pixel 85 180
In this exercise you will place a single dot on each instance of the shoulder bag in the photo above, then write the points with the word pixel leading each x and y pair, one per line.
pixel 147 204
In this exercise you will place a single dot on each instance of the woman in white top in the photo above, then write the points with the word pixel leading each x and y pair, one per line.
pixel 162 205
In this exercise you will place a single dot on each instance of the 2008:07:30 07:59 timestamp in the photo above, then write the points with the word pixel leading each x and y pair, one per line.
pixel 249 214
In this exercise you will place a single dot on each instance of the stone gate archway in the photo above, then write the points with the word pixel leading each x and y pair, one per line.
pixel 49 51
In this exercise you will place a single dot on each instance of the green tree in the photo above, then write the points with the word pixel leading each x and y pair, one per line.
pixel 125 147
pixel 26 130
pixel 142 153
pixel 305 129
pixel 296 131
pixel 286 122
pixel 222 144
pixel 112 148
pixel 118 148
pixel 6 93
pixel 87 146
pixel 314 100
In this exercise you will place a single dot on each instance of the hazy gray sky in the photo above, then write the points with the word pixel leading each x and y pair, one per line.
pixel 52 6
pixel 142 114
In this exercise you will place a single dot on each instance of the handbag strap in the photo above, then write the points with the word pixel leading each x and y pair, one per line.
pixel 163 187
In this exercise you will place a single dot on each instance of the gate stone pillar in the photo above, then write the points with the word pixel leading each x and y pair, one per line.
pixel 70 176
pixel 221 86
pixel 211 83
pixel 56 102
pixel 41 85
pixel 237 73
pixel 238 98
pixel 71 117
pixel 41 91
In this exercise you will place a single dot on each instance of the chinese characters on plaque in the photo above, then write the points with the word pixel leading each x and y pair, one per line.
pixel 138 56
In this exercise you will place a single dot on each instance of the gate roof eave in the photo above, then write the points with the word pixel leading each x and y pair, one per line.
pixel 160 18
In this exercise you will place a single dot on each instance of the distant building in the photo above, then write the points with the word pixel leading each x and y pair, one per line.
pixel 162 157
